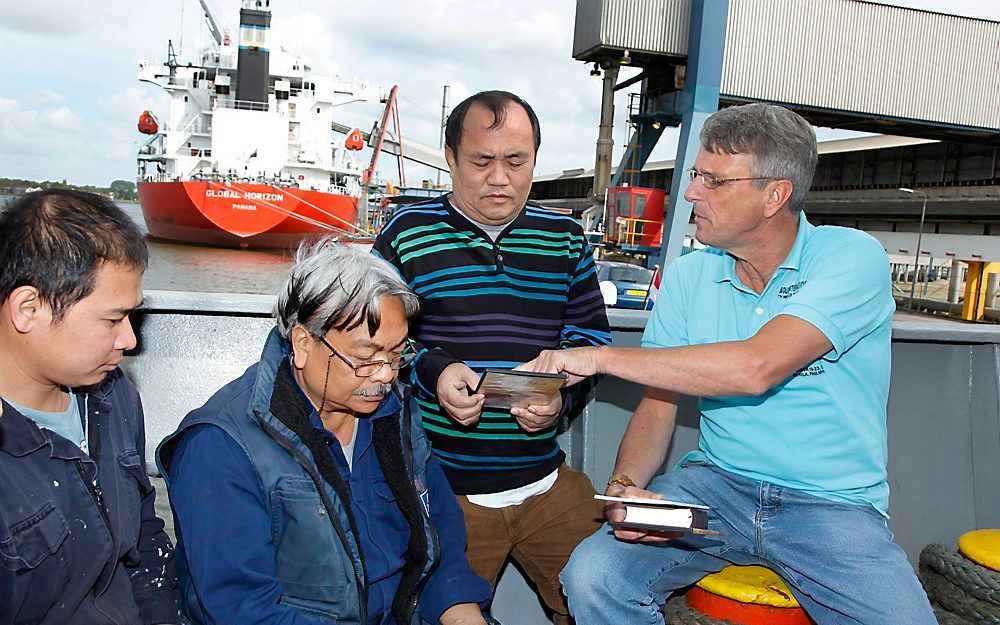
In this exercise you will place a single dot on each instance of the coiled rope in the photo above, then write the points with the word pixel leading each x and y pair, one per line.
pixel 677 612
pixel 961 587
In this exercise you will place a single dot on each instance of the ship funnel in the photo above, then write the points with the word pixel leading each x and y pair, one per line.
pixel 253 65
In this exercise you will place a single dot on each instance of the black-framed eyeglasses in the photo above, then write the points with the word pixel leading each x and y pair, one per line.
pixel 714 182
pixel 371 367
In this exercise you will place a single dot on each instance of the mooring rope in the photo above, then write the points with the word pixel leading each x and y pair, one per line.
pixel 677 612
pixel 960 586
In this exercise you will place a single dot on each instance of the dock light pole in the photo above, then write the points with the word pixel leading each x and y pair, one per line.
pixel 920 235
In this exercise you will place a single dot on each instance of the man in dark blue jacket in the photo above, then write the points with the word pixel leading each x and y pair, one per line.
pixel 305 490
pixel 80 542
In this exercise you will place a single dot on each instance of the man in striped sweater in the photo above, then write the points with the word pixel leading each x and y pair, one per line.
pixel 499 281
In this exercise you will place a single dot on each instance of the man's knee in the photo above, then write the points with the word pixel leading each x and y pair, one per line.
pixel 591 567
pixel 579 572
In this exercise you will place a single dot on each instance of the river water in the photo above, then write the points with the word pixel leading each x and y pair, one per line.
pixel 183 267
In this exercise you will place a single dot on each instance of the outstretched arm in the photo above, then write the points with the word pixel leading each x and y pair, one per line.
pixel 750 367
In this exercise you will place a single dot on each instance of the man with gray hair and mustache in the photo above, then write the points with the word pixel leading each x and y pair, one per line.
pixel 305 490
pixel 783 330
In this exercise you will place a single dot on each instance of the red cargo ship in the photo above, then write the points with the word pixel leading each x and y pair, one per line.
pixel 249 158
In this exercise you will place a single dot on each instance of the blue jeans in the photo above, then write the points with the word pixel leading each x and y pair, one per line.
pixel 837 559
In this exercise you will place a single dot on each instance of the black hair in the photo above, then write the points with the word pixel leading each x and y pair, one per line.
pixel 495 102
pixel 57 240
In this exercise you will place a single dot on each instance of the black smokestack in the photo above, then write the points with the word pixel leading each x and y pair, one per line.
pixel 252 69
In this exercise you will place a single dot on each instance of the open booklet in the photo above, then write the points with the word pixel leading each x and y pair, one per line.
pixel 662 515
pixel 506 388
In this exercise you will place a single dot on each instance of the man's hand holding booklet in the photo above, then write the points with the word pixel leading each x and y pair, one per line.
pixel 507 388
pixel 660 515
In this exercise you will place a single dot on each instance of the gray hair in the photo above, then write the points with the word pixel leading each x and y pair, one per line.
pixel 781 144
pixel 338 286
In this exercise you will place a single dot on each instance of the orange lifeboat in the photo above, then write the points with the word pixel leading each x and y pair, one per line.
pixel 147 123
pixel 355 140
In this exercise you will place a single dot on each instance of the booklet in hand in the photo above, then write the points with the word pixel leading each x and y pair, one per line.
pixel 506 388
pixel 662 516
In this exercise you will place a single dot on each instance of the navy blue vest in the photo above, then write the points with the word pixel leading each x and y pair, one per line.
pixel 318 560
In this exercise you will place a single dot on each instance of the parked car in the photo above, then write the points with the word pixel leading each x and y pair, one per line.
pixel 624 285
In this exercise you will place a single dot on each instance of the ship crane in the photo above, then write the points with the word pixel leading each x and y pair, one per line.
pixel 213 23
pixel 431 156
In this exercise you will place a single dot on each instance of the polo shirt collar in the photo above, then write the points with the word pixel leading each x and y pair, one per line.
pixel 794 258
pixel 727 269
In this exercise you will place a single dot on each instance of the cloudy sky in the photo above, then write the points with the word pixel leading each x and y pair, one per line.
pixel 69 98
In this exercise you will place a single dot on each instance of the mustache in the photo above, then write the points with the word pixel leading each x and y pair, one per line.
pixel 374 390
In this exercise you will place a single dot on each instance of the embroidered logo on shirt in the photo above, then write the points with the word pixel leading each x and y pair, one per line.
pixel 787 291
pixel 813 369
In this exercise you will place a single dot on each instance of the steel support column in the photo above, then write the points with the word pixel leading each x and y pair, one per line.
pixel 605 140
pixel 954 280
pixel 698 100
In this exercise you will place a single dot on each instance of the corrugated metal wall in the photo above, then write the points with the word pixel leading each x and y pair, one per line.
pixel 655 26
pixel 831 54
pixel 870 58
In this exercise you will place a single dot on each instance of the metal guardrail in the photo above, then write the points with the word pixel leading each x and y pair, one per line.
pixel 244 105
pixel 628 229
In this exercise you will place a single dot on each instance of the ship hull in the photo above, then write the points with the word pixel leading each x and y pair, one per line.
pixel 243 215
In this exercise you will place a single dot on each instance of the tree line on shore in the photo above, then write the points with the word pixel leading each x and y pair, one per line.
pixel 123 190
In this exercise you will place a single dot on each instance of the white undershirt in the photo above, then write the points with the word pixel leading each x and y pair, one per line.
pixel 348 447
pixel 515 496
pixel 491 231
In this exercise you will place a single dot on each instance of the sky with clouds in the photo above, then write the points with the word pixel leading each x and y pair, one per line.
pixel 69 97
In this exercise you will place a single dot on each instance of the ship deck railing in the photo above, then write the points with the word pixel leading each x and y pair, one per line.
pixel 244 105
pixel 218 178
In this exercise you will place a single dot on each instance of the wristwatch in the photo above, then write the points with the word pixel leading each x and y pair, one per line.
pixel 621 478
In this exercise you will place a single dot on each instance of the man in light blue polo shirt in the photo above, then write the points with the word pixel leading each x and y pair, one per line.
pixel 783 329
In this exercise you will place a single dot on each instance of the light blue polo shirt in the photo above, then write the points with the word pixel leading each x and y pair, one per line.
pixel 822 431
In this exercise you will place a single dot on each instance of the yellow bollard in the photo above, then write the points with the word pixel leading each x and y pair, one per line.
pixel 974 306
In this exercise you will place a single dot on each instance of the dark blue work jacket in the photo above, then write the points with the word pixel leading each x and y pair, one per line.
pixel 80 541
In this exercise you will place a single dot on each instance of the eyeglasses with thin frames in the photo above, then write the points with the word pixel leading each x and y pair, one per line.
pixel 714 182
pixel 371 367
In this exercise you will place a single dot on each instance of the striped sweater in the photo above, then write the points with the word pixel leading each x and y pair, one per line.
pixel 494 304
